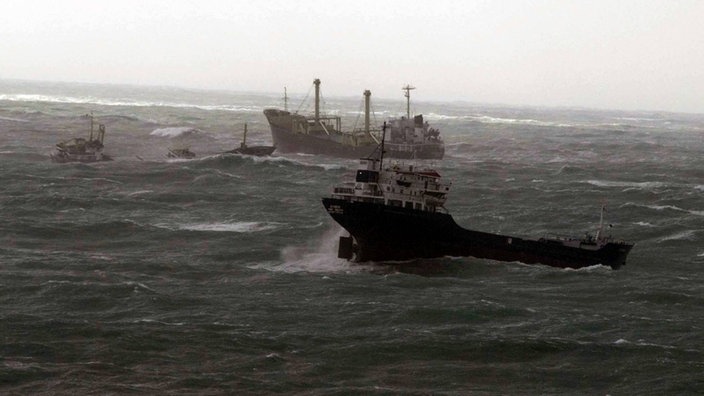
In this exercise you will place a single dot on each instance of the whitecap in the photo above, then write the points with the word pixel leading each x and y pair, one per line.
pixel 174 131
pixel 159 322
pixel 662 207
pixel 140 192
pixel 13 119
pixel 625 184
pixel 301 260
pixel 101 257
pixel 340 165
pixel 485 119
pixel 240 227
pixel 591 268
pixel 673 207
pixel 138 285
pixel 225 174
pixel 328 167
pixel 124 102
pixel 680 236
pixel 319 255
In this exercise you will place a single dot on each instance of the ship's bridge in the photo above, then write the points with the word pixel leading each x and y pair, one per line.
pixel 400 186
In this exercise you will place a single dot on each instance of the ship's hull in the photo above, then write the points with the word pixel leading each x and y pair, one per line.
pixel 259 151
pixel 287 141
pixel 61 158
pixel 386 233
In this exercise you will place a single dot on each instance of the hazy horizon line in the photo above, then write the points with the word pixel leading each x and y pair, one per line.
pixel 304 95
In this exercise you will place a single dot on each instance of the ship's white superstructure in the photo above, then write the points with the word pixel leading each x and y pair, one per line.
pixel 398 185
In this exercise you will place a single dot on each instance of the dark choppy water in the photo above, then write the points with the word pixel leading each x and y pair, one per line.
pixel 219 274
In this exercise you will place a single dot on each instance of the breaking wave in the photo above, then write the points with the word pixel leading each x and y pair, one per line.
pixel 668 207
pixel 175 131
pixel 625 184
pixel 680 236
pixel 124 102
pixel 239 227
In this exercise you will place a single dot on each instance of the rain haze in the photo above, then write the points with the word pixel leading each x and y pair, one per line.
pixel 631 55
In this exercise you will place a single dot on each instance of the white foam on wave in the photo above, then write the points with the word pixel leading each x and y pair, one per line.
pixel 511 121
pixel 638 119
pixel 591 268
pixel 340 164
pixel 174 131
pixel 317 256
pixel 622 341
pixel 124 102
pixel 328 167
pixel 13 119
pixel 680 236
pixel 625 184
pixel 485 119
pixel 159 322
pixel 138 285
pixel 670 207
pixel 239 227
pixel 225 174
pixel 140 192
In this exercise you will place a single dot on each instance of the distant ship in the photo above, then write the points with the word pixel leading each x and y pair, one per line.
pixel 183 153
pixel 82 150
pixel 410 138
pixel 397 213
pixel 259 151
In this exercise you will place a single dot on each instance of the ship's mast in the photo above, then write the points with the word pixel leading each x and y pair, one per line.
pixel 316 82
pixel 244 138
pixel 367 95
pixel 408 89
pixel 91 126
pixel 285 100
pixel 381 155
pixel 601 222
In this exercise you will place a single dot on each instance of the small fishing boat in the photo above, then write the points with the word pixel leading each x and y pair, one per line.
pixel 82 150
pixel 259 151
pixel 181 153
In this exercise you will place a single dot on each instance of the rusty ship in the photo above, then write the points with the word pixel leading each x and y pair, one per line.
pixel 410 137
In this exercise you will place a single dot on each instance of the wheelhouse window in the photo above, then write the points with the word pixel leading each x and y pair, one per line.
pixel 367 176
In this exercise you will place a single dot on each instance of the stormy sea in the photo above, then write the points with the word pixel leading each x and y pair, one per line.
pixel 219 274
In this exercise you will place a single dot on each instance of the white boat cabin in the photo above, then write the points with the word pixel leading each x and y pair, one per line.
pixel 397 185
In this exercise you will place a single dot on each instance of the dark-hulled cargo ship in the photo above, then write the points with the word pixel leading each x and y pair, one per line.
pixel 397 213
pixel 410 137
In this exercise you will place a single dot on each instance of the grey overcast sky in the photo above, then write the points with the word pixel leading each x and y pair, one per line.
pixel 613 54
